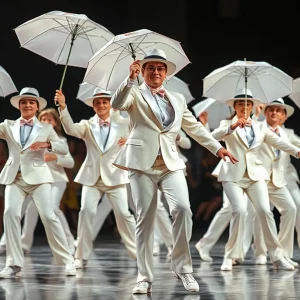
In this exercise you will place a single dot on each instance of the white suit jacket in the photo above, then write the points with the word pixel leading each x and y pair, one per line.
pixel 290 171
pixel 33 167
pixel 147 134
pixel 248 157
pixel 276 165
pixel 98 161
pixel 63 161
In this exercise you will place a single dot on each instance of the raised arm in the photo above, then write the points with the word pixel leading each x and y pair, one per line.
pixel 123 97
pixel 71 128
pixel 198 132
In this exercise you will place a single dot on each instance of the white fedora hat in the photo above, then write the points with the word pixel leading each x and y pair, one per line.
pixel 159 55
pixel 98 93
pixel 243 94
pixel 280 102
pixel 28 92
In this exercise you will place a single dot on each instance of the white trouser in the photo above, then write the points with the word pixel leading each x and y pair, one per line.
pixel 144 185
pixel 257 192
pixel 15 195
pixel 293 188
pixel 163 225
pixel 31 217
pixel 284 203
pixel 124 219
pixel 220 222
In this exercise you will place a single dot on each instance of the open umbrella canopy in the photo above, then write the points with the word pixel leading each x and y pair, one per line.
pixel 7 86
pixel 50 35
pixel 295 95
pixel 265 81
pixel 110 65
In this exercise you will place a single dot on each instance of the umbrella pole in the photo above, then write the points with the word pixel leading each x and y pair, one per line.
pixel 134 57
pixel 74 33
pixel 246 84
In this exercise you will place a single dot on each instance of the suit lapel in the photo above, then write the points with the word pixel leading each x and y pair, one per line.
pixel 241 133
pixel 147 95
pixel 37 127
pixel 111 136
pixel 95 128
pixel 16 132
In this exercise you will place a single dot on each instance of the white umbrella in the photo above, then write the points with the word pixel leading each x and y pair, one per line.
pixel 295 95
pixel 217 111
pixel 265 81
pixel 7 86
pixel 56 34
pixel 110 65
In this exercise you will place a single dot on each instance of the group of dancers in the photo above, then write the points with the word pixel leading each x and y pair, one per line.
pixel 143 150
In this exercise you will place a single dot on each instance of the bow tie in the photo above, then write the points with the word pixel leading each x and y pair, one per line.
pixel 248 123
pixel 275 130
pixel 25 122
pixel 161 92
pixel 103 123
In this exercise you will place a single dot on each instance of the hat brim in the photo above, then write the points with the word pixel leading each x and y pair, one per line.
pixel 171 67
pixel 16 100
pixel 289 109
pixel 89 101
pixel 255 101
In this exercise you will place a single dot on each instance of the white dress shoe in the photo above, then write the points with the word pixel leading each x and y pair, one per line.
pixel 70 270
pixel 261 260
pixel 204 254
pixel 142 287
pixel 283 264
pixel 188 280
pixel 291 262
pixel 9 272
pixel 227 264
pixel 156 249
pixel 170 250
pixel 80 263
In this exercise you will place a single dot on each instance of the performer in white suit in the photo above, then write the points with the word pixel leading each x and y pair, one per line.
pixel 26 173
pixel 221 221
pixel 150 154
pixel 277 164
pixel 291 174
pixel 244 137
pixel 57 163
pixel 223 217
pixel 103 138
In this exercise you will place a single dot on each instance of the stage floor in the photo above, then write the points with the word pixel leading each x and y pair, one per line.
pixel 111 274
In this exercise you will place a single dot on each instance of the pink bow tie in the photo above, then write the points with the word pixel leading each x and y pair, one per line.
pixel 24 122
pixel 161 92
pixel 276 130
pixel 248 123
pixel 104 123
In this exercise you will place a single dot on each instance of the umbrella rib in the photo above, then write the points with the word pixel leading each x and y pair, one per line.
pixel 110 74
pixel 88 41
pixel 60 52
pixel 53 28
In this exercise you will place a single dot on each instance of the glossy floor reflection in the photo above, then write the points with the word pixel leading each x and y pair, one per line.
pixel 112 275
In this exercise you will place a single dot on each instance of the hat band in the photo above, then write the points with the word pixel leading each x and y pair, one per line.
pixel 243 96
pixel 29 94
pixel 277 102
pixel 101 94
pixel 154 56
